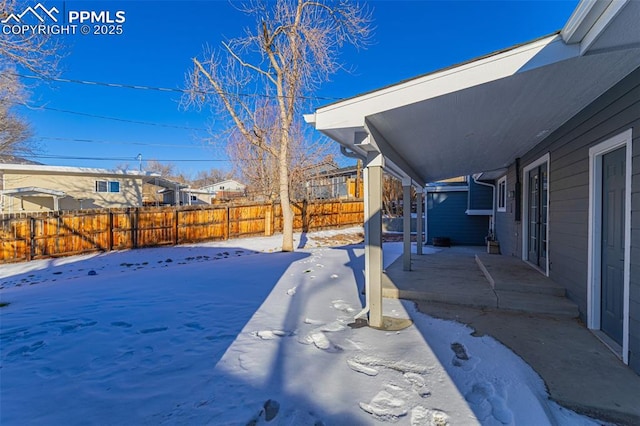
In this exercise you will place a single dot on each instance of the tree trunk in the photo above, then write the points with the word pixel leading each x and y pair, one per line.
pixel 285 203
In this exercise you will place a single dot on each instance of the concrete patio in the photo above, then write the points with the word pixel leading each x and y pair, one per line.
pixel 507 299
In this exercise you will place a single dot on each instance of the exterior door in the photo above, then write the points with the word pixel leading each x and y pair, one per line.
pixel 613 243
pixel 537 214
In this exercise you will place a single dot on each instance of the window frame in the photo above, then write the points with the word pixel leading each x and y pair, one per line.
pixel 107 186
pixel 98 185
pixel 501 194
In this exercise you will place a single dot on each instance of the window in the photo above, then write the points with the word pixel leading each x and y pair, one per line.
pixel 107 186
pixel 502 194
pixel 194 198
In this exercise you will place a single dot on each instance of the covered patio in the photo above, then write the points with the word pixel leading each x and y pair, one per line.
pixel 477 117
pixel 468 276
pixel 503 297
pixel 33 192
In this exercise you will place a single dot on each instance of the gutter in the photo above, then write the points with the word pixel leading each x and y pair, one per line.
pixel 352 154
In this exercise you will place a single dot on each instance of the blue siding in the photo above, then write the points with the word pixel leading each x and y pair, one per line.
pixel 446 217
pixel 480 196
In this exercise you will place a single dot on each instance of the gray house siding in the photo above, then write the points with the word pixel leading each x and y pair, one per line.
pixel 612 113
pixel 507 229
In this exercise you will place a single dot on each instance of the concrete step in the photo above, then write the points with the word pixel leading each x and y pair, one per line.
pixel 510 274
pixel 540 304
pixel 485 301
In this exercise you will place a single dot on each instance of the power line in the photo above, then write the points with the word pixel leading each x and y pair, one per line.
pixel 161 89
pixel 123 120
pixel 63 157
pixel 46 138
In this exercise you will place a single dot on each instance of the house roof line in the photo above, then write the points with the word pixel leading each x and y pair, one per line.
pixel 403 83
pixel 37 168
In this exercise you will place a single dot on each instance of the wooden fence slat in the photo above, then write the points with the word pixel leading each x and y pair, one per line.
pixel 38 235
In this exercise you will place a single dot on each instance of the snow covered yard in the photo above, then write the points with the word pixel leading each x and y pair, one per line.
pixel 230 333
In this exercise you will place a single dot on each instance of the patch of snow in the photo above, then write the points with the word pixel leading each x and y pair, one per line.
pixel 213 337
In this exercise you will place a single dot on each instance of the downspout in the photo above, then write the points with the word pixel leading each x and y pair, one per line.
pixel 493 208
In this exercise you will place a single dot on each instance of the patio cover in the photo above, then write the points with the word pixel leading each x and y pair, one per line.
pixel 34 191
pixel 483 114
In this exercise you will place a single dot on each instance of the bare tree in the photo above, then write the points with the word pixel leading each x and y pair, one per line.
pixel 292 50
pixel 14 131
pixel 36 53
pixel 260 170
pixel 391 195
pixel 211 176
pixel 167 170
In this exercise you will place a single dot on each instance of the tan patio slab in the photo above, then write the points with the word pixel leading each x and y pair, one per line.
pixel 450 276
pixel 468 276
pixel 580 372
pixel 527 314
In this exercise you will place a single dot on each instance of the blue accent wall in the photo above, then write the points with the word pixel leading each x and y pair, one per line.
pixel 446 217
pixel 480 196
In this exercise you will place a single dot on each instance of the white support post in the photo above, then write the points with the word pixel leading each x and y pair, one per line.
pixel 55 204
pixel 373 235
pixel 419 221
pixel 406 222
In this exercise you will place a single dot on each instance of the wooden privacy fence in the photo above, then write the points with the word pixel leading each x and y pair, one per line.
pixel 41 235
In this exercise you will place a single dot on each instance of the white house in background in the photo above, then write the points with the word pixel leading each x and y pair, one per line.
pixel 159 191
pixel 184 196
pixel 41 188
pixel 226 189
pixel 554 126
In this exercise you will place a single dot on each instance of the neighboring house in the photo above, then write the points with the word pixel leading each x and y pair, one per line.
pixel 159 191
pixel 336 183
pixel 39 188
pixel 562 115
pixel 227 189
pixel 458 211
pixel 184 197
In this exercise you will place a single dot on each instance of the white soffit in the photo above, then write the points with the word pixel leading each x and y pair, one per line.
pixel 617 29
pixel 351 112
pixel 487 126
pixel 483 114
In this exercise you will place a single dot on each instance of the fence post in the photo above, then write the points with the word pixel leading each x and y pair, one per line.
pixel 175 229
pixel 132 222
pixel 227 225
pixel 268 220
pixel 30 238
pixel 110 235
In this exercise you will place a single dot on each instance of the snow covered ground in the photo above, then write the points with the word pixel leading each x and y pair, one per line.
pixel 237 333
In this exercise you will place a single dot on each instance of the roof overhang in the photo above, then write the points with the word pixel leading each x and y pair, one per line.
pixel 33 191
pixel 483 114
pixel 41 169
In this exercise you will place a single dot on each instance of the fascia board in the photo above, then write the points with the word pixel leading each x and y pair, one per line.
pixel 582 19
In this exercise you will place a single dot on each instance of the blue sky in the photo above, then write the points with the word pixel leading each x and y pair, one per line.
pixel 160 37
